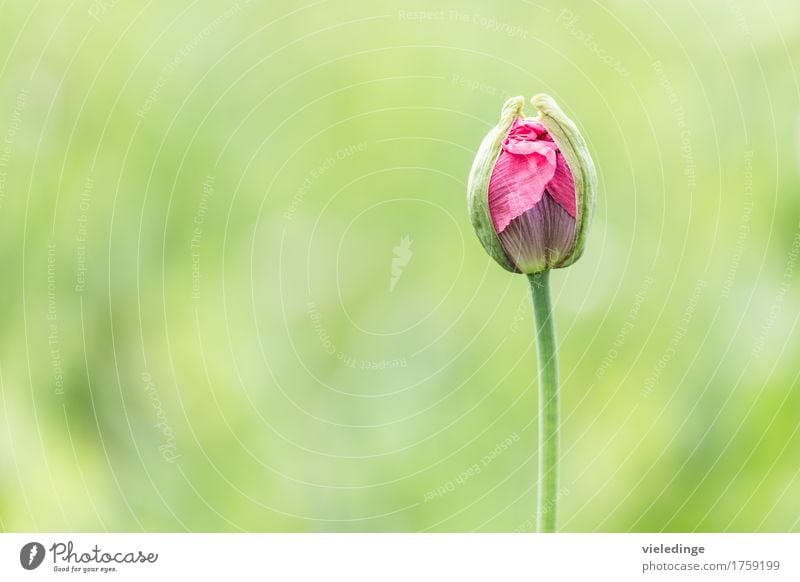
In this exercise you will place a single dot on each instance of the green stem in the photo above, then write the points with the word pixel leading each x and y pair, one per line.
pixel 548 401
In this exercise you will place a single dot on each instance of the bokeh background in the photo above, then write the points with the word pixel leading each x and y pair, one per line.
pixel 240 290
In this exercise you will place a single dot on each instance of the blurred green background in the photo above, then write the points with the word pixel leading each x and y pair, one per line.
pixel 240 290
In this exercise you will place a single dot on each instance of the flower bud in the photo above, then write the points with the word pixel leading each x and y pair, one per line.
pixel 532 189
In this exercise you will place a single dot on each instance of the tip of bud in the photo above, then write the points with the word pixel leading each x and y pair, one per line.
pixel 544 103
pixel 512 108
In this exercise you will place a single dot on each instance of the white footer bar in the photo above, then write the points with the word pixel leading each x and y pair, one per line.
pixel 401 557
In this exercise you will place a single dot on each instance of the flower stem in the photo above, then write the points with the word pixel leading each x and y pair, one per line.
pixel 548 401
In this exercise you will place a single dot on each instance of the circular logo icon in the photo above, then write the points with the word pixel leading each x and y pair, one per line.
pixel 31 555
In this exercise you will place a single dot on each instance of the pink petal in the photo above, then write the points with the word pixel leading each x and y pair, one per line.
pixel 562 186
pixel 519 178
pixel 527 129
pixel 525 148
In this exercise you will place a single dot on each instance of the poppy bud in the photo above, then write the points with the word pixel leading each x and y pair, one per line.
pixel 532 189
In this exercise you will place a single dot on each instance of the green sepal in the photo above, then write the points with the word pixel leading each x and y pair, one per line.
pixel 478 184
pixel 573 147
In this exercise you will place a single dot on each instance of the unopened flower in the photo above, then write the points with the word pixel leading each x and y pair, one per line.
pixel 532 188
pixel 531 195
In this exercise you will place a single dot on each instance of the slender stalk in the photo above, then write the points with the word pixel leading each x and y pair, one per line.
pixel 548 401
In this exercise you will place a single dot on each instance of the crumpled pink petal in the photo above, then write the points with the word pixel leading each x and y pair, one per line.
pixel 519 178
pixel 526 148
pixel 529 163
pixel 562 186
pixel 526 129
